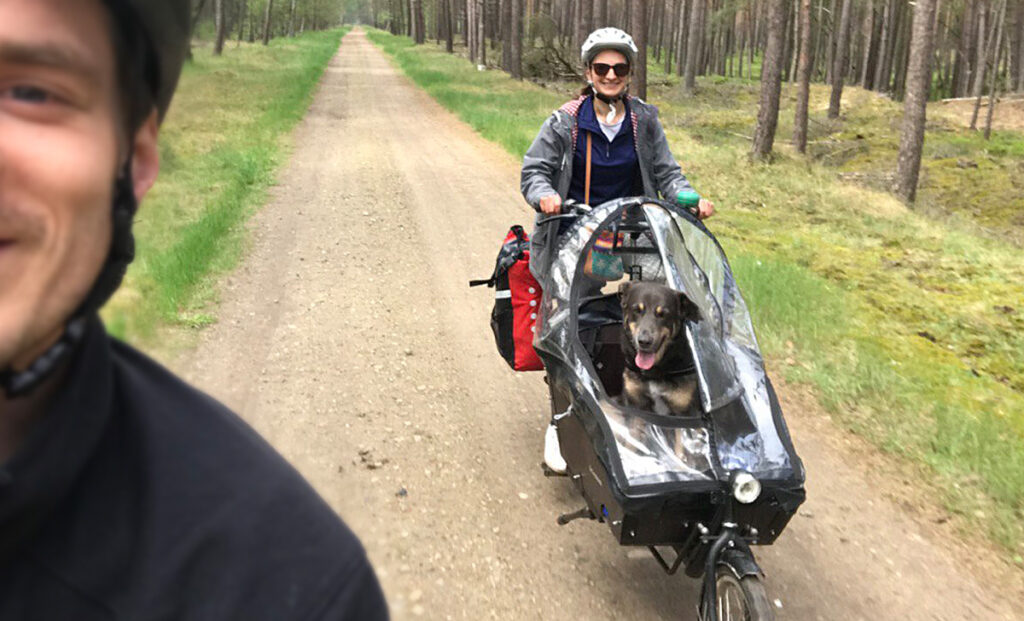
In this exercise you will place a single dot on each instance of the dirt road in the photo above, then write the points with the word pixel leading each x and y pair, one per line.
pixel 350 340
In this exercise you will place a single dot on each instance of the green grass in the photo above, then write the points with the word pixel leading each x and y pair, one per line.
pixel 224 138
pixel 908 324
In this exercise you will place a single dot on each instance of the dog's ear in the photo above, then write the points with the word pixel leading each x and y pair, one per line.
pixel 687 309
pixel 623 289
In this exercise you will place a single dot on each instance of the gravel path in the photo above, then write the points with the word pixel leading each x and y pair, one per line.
pixel 350 340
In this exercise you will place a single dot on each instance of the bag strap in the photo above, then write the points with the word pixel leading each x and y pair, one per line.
pixel 586 183
pixel 519 234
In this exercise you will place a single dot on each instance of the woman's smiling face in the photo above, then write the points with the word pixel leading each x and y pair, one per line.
pixel 611 84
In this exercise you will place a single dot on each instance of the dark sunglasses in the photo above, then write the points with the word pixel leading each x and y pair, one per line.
pixel 601 69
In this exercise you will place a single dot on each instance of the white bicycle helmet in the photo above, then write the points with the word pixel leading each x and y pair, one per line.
pixel 608 39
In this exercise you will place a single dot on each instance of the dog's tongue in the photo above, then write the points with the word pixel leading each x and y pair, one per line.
pixel 644 361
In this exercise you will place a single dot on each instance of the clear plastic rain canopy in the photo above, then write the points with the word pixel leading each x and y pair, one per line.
pixel 739 429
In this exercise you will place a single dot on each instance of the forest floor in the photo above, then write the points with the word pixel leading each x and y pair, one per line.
pixel 349 339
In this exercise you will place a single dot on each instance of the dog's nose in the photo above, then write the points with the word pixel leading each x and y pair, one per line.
pixel 644 341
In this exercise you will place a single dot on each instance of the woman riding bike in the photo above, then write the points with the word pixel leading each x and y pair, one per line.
pixel 603 145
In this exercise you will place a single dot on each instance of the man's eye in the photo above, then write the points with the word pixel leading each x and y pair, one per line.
pixel 29 94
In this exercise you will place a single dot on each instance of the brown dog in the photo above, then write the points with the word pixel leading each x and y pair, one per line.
pixel 659 367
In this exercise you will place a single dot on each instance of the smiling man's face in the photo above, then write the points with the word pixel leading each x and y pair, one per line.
pixel 59 157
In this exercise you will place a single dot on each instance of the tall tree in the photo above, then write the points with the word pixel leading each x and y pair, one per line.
pixel 221 22
pixel 918 81
pixel 266 22
pixel 418 26
pixel 638 84
pixel 840 61
pixel 692 46
pixel 449 33
pixel 771 81
pixel 997 57
pixel 803 79
pixel 516 55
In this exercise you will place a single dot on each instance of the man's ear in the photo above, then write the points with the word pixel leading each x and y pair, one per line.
pixel 687 309
pixel 145 156
pixel 623 288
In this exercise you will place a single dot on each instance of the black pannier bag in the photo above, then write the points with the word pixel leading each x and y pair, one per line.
pixel 517 296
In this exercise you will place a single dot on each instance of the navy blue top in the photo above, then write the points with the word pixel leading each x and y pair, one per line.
pixel 614 170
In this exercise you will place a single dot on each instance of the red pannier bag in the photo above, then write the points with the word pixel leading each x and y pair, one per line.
pixel 517 297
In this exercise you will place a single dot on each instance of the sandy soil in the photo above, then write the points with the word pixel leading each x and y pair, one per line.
pixel 1008 115
pixel 350 340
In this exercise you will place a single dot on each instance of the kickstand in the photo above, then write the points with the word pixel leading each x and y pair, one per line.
pixel 565 518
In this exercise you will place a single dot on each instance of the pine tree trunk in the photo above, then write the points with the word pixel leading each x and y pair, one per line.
pixel 868 34
pixel 516 55
pixel 449 44
pixel 771 82
pixel 997 57
pixel 601 14
pixel 243 14
pixel 638 83
pixel 803 79
pixel 681 36
pixel 420 22
pixel 673 33
pixel 839 69
pixel 221 24
pixel 915 102
pixel 291 20
pixel 481 22
pixel 692 48
pixel 830 49
pixel 266 22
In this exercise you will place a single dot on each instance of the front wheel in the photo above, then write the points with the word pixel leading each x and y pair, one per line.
pixel 740 599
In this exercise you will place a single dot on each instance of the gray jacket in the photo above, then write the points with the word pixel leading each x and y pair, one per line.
pixel 547 166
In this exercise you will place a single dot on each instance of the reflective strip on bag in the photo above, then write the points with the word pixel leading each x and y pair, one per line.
pixel 502 294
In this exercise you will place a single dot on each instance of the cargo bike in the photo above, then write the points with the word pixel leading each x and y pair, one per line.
pixel 698 490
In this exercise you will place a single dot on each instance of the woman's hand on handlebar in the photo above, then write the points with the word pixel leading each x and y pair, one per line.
pixel 551 205
pixel 705 209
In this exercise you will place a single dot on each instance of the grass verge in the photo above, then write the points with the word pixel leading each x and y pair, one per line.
pixel 225 136
pixel 907 325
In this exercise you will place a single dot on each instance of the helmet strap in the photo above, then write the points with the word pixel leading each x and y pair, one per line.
pixel 122 252
pixel 611 101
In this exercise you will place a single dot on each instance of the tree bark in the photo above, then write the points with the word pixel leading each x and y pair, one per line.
pixel 638 83
pixel 771 82
pixel 803 79
pixel 449 43
pixel 291 20
pixel 673 31
pixel 267 22
pixel 839 68
pixel 869 31
pixel 243 14
pixel 516 55
pixel 221 23
pixel 915 102
pixel 692 47
pixel 996 58
pixel 982 67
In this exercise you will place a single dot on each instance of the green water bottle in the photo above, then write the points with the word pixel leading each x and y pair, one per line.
pixel 689 200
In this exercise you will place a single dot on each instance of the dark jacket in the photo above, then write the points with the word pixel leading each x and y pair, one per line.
pixel 140 498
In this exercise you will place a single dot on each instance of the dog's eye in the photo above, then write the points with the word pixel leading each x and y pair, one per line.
pixel 639 308
pixel 660 312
